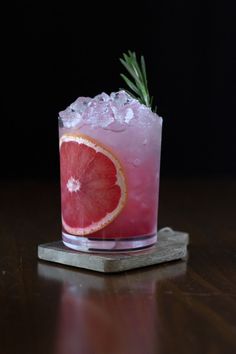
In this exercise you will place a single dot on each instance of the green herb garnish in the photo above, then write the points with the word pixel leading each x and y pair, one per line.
pixel 138 81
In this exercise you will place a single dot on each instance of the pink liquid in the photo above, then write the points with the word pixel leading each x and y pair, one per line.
pixel 138 148
pixel 139 216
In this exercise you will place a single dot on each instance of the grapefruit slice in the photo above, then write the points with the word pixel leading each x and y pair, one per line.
pixel 93 185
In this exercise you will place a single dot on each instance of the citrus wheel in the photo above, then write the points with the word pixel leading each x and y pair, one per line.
pixel 93 185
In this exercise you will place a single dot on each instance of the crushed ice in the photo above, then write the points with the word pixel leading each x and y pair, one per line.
pixel 114 111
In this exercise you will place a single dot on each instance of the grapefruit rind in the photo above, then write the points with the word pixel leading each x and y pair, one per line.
pixel 121 182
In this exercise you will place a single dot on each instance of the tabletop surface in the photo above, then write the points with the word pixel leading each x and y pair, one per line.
pixel 180 307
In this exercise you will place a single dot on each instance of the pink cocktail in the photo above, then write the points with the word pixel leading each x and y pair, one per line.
pixel 110 166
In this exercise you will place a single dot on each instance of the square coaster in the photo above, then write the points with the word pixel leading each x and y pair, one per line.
pixel 171 245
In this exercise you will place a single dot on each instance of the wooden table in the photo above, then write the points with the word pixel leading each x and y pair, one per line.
pixel 175 308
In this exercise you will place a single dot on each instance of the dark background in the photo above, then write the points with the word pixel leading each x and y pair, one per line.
pixel 54 53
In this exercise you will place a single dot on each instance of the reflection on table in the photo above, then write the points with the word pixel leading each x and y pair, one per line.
pixel 108 314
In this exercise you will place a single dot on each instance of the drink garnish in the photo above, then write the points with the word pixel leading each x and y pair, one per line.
pixel 137 82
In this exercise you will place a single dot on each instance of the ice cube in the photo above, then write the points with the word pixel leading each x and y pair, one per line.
pixel 122 115
pixel 70 118
pixel 121 98
pixel 98 113
pixel 116 126
pixel 103 97
pixel 81 104
pixel 129 115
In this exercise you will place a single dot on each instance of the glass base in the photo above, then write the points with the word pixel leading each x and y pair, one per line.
pixel 86 244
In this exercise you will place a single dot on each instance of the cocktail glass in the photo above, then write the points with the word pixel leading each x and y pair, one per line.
pixel 110 148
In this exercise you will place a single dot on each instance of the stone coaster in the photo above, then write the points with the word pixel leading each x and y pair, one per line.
pixel 171 245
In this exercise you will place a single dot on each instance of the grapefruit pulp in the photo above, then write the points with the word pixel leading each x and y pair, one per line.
pixel 93 186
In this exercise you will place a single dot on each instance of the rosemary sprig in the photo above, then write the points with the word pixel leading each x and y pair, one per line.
pixel 138 78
